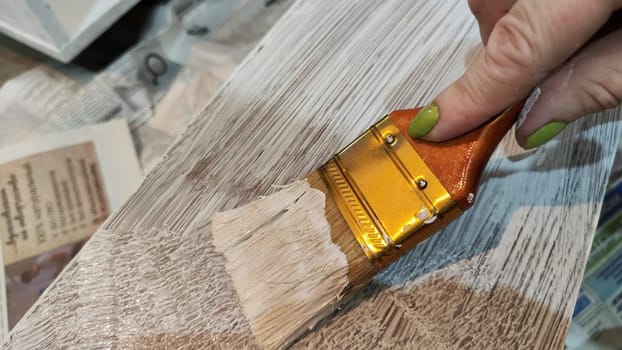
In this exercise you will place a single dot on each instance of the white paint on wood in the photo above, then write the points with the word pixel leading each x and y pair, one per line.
pixel 287 272
pixel 503 276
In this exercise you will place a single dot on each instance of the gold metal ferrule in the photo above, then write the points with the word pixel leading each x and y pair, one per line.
pixel 388 196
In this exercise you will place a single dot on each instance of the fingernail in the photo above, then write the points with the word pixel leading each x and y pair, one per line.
pixel 544 134
pixel 531 100
pixel 424 121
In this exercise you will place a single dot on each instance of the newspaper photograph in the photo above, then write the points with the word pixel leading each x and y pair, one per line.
pixel 55 191
pixel 50 199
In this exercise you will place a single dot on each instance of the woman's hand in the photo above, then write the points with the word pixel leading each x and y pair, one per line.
pixel 546 44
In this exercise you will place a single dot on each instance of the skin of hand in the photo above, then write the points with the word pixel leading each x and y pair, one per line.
pixel 566 55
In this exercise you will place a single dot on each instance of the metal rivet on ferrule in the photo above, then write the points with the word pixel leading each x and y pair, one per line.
pixel 422 184
pixel 470 198
pixel 390 140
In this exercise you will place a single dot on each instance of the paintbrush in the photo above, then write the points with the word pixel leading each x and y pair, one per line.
pixel 296 255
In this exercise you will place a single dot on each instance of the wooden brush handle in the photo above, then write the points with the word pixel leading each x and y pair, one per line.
pixel 459 162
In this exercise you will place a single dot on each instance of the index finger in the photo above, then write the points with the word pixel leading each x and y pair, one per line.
pixel 524 46
pixel 488 12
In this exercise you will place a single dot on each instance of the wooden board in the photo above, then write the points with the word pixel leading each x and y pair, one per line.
pixel 504 276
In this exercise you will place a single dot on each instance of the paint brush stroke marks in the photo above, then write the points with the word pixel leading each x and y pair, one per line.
pixel 286 270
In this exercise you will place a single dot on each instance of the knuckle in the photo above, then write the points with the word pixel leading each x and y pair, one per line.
pixel 513 43
pixel 601 94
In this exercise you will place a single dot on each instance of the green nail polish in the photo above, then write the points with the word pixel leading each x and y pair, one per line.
pixel 424 121
pixel 544 134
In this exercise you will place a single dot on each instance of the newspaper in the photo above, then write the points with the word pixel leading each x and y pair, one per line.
pixel 55 191
pixel 597 318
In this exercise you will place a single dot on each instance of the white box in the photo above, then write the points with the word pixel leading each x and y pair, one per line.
pixel 59 28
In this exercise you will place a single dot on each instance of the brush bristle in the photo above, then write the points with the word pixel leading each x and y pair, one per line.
pixel 291 258
pixel 361 269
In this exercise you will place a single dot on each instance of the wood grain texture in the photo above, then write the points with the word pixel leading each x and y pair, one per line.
pixel 503 276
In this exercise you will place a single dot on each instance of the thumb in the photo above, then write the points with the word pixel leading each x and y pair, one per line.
pixel 590 82
pixel 524 46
